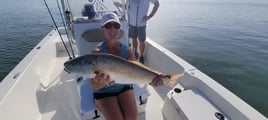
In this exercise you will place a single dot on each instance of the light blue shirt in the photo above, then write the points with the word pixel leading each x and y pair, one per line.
pixel 138 9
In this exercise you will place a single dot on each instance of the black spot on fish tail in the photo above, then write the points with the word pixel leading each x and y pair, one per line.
pixel 166 76
pixel 173 78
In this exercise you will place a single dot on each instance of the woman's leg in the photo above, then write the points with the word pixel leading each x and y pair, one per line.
pixel 128 105
pixel 110 108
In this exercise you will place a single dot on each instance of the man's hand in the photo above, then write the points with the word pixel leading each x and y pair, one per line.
pixel 145 18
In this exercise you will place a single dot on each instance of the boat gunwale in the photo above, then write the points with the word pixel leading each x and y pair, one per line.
pixel 13 77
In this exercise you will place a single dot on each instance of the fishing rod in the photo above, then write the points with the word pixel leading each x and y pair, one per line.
pixel 57 29
pixel 65 29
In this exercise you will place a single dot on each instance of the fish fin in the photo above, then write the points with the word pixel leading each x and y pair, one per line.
pixel 136 62
pixel 145 67
pixel 173 78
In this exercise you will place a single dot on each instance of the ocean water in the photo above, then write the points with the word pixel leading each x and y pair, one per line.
pixel 227 40
pixel 23 25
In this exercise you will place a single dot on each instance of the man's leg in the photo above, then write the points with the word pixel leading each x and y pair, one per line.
pixel 132 33
pixel 142 47
pixel 135 47
pixel 142 38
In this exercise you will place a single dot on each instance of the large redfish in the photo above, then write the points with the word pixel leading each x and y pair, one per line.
pixel 119 69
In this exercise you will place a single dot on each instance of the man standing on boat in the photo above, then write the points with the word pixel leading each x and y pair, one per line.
pixel 138 17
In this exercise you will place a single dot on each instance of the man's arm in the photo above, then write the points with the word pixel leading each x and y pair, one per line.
pixel 156 6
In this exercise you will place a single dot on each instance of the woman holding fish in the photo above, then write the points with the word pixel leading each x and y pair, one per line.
pixel 115 101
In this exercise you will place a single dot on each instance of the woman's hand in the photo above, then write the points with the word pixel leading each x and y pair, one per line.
pixel 157 81
pixel 101 80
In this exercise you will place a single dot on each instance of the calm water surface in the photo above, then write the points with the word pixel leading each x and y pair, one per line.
pixel 227 40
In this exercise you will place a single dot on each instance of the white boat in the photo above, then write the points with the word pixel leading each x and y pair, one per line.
pixel 38 88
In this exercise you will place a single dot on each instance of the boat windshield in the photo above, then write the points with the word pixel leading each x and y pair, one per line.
pixel 93 9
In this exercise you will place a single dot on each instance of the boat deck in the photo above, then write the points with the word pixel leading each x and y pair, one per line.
pixel 39 88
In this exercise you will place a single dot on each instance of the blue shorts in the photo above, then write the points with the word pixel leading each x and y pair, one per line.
pixel 113 90
pixel 137 32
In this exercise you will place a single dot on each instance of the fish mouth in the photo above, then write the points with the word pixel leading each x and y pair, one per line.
pixel 67 67
pixel 66 70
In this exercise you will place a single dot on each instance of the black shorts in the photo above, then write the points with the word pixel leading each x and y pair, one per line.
pixel 113 90
pixel 137 32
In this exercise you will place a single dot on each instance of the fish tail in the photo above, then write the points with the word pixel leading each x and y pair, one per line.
pixel 172 79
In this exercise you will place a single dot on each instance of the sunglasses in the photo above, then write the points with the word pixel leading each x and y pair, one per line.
pixel 112 25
